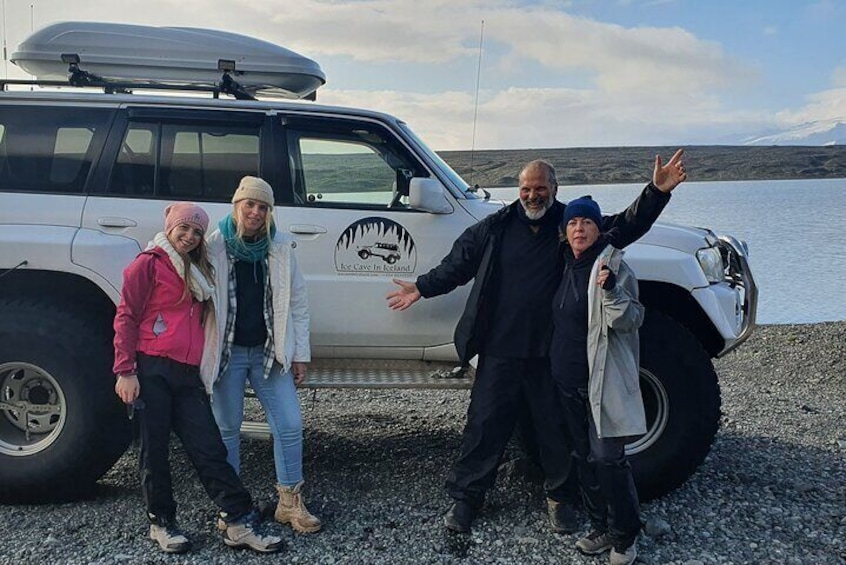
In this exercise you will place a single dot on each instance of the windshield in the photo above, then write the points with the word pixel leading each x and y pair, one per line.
pixel 453 177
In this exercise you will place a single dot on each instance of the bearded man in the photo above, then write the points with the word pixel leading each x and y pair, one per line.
pixel 514 260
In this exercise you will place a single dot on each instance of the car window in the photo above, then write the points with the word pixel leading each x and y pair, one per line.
pixel 344 164
pixel 49 149
pixel 184 161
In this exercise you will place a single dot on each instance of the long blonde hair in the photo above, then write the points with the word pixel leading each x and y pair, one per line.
pixel 198 256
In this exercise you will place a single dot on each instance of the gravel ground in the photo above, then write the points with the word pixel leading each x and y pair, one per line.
pixel 773 489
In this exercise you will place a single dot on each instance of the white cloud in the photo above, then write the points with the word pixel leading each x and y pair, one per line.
pixel 838 77
pixel 822 106
pixel 639 85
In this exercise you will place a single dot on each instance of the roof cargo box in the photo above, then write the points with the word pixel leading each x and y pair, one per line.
pixel 173 56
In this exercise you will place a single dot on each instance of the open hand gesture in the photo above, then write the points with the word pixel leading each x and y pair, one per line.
pixel 403 297
pixel 669 176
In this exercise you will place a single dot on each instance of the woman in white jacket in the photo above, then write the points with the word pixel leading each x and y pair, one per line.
pixel 264 330
pixel 594 356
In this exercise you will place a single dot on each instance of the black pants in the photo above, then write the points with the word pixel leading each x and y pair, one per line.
pixel 173 398
pixel 605 476
pixel 501 388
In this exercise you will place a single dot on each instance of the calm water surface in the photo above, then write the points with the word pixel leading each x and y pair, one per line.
pixel 795 231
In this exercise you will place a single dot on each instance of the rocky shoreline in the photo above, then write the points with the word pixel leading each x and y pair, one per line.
pixel 604 165
pixel 772 490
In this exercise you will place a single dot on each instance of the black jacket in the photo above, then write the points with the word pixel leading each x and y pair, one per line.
pixel 473 253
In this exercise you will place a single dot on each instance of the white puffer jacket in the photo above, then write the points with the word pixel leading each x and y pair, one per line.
pixel 289 299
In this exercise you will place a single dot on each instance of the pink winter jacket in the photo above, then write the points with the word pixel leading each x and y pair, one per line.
pixel 153 317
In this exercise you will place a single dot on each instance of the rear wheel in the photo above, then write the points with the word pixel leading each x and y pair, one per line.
pixel 61 425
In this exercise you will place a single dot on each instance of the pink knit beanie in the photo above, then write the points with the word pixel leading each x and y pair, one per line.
pixel 185 213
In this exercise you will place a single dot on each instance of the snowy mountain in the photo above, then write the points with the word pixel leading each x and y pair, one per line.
pixel 824 132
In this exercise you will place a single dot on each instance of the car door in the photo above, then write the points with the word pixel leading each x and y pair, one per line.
pixel 346 183
pixel 156 156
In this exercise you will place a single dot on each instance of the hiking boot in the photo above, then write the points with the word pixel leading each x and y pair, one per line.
pixel 595 542
pixel 292 510
pixel 622 554
pixel 170 538
pixel 460 516
pixel 244 533
pixel 562 517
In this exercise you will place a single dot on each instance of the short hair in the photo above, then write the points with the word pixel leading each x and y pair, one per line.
pixel 543 165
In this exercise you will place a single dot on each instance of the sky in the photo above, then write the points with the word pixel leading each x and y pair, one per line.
pixel 515 74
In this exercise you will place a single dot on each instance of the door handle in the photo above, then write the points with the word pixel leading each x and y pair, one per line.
pixel 115 222
pixel 306 229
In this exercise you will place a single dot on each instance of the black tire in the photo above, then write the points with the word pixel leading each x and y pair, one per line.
pixel 682 399
pixel 56 382
pixel 363 253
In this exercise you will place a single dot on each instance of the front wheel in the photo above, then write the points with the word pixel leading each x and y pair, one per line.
pixel 61 424
pixel 681 395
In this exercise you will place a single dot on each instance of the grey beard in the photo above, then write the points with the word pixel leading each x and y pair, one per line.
pixel 535 214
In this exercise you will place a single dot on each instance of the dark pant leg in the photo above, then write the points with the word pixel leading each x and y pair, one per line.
pixel 195 425
pixel 546 417
pixel 575 407
pixel 154 426
pixel 618 488
pixel 491 418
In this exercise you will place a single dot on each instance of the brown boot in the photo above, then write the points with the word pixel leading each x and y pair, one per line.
pixel 292 510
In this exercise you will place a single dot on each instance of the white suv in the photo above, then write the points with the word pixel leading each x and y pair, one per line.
pixel 85 177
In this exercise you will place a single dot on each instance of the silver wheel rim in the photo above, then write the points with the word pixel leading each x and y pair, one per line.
pixel 32 409
pixel 657 404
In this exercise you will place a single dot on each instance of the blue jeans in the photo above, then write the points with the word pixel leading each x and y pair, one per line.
pixel 278 397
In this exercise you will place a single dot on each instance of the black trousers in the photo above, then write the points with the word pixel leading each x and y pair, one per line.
pixel 605 476
pixel 502 387
pixel 173 398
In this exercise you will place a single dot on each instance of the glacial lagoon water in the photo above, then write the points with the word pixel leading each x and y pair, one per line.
pixel 795 230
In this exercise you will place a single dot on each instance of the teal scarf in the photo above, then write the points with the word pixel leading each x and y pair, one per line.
pixel 249 251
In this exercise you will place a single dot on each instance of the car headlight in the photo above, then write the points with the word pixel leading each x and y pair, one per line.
pixel 711 261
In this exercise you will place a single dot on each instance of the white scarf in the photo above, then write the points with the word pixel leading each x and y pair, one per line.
pixel 201 288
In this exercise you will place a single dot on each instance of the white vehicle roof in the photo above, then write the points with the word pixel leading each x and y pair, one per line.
pixel 168 56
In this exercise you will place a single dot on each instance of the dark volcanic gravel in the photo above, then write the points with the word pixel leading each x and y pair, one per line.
pixel 773 489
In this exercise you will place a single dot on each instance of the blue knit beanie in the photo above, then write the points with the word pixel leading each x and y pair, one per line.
pixel 583 207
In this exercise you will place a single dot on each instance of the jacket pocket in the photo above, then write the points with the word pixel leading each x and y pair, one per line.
pixel 622 368
pixel 159 326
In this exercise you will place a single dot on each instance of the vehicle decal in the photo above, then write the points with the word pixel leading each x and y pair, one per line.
pixel 375 246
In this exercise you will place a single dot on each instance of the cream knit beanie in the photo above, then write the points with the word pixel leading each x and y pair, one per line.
pixel 253 188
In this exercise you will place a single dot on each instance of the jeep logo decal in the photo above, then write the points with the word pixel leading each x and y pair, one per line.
pixel 375 246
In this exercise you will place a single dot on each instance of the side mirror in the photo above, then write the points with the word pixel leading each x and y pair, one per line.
pixel 427 194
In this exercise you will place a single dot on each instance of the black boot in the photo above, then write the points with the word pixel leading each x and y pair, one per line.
pixel 562 517
pixel 460 516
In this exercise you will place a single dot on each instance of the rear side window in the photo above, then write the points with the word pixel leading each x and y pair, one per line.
pixel 184 161
pixel 49 149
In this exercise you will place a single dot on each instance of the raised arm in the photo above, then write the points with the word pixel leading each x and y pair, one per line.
pixel 636 220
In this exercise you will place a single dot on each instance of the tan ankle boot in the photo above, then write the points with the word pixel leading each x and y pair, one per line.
pixel 292 510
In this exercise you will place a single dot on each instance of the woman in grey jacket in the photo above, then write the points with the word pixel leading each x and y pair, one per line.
pixel 594 356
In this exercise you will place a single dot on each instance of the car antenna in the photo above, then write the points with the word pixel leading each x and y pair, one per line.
pixel 474 187
pixel 5 58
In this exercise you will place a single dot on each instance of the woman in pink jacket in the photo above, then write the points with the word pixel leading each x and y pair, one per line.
pixel 166 315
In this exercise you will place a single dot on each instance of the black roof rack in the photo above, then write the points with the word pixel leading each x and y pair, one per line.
pixel 83 79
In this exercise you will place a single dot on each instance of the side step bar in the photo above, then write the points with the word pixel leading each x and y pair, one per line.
pixel 374 374
pixel 387 373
